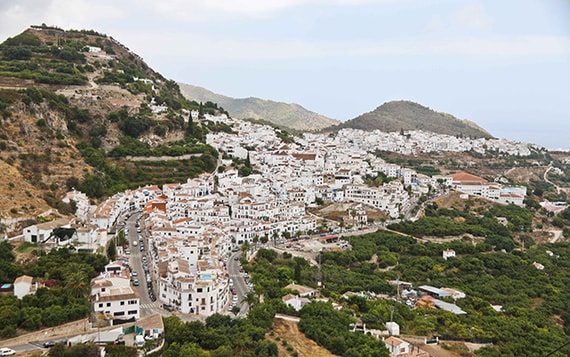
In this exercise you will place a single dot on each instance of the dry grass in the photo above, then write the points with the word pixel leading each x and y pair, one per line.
pixel 289 331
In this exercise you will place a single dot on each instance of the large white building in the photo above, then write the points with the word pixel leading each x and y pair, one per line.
pixel 112 296
pixel 477 186
pixel 204 293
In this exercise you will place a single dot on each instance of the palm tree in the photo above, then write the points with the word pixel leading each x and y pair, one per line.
pixel 77 284
pixel 250 298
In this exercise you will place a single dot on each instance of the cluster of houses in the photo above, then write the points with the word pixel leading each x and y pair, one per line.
pixel 334 168
pixel 418 141
pixel 193 226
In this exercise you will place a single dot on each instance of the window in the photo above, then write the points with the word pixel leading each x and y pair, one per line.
pixel 108 304
pixel 122 303
pixel 199 290
pixel 100 305
pixel 118 313
pixel 132 312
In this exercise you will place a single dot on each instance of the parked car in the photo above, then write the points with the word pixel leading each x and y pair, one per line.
pixel 168 307
pixel 7 352
pixel 49 344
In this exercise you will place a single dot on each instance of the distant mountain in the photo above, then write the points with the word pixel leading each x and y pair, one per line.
pixel 406 115
pixel 283 114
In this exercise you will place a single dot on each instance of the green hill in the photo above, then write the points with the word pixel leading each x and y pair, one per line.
pixel 289 115
pixel 406 115
pixel 74 104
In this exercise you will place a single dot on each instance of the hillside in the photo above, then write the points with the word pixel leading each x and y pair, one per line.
pixel 406 115
pixel 73 104
pixel 289 115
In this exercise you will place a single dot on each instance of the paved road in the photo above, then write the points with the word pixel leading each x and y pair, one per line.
pixel 234 267
pixel 148 307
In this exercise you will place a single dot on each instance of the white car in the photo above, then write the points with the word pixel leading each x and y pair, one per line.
pixel 7 352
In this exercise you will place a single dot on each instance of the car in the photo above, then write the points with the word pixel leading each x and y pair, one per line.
pixel 7 352
pixel 134 273
pixel 168 307
pixel 236 258
pixel 49 344
pixel 136 282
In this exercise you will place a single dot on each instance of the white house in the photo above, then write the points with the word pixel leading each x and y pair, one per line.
pixel 397 346
pixel 304 291
pixel 448 253
pixel 24 285
pixel 113 298
pixel 39 233
pixel 295 301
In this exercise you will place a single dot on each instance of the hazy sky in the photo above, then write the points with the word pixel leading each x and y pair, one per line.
pixel 504 64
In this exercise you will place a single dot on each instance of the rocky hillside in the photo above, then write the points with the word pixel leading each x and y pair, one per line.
pixel 289 115
pixel 406 115
pixel 73 105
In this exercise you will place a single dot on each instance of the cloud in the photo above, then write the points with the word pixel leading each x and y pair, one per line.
pixel 224 50
pixel 472 16
pixel 67 14
pixel 200 9
pixel 469 17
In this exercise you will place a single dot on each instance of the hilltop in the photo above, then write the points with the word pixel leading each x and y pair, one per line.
pixel 407 115
pixel 73 105
pixel 288 115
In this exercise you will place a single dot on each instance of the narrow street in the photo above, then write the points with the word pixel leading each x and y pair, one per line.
pixel 241 288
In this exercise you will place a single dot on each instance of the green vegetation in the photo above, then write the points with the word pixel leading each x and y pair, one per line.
pixel 221 335
pixel 81 349
pixel 24 56
pixel 535 318
pixel 66 276
pixel 329 327
pixel 451 222
pixel 405 115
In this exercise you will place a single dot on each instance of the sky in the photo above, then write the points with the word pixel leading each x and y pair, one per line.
pixel 504 65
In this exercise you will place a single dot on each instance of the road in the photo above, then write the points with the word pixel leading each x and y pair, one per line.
pixel 241 287
pixel 545 176
pixel 148 307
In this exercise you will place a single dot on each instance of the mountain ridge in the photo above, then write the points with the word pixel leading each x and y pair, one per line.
pixel 390 116
pixel 291 115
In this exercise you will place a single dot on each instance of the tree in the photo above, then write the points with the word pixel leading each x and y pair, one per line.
pixel 247 161
pixel 245 247
pixel 111 250
pixel 250 299
pixel 77 284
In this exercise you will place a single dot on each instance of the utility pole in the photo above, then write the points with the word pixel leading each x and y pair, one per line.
pixel 319 274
